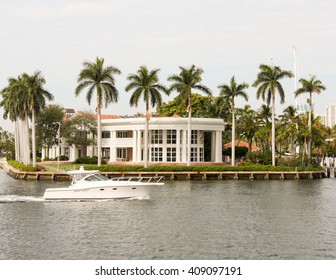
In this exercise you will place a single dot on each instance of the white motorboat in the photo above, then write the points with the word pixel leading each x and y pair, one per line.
pixel 89 184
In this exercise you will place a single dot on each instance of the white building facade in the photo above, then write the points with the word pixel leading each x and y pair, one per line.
pixel 330 116
pixel 123 140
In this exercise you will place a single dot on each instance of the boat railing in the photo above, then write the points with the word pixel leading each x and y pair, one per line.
pixel 146 180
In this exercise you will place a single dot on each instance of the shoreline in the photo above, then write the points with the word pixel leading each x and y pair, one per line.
pixel 171 175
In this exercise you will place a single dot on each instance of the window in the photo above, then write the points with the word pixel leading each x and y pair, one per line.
pixel 106 134
pixel 106 153
pixel 121 153
pixel 193 156
pixel 201 154
pixel 156 137
pixel 171 154
pixel 156 154
pixel 194 137
pixel 124 134
pixel 171 136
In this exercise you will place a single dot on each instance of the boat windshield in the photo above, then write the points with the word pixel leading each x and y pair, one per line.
pixel 96 177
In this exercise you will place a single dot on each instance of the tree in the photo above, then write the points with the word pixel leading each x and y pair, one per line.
pixel 264 133
pixel 203 107
pixel 289 119
pixel 268 85
pixel 183 83
pixel 47 124
pixel 15 108
pixel 99 79
pixel 36 97
pixel 146 84
pixel 80 131
pixel 310 86
pixel 7 143
pixel 247 124
pixel 230 92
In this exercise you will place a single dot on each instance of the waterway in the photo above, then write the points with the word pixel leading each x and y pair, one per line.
pixel 182 220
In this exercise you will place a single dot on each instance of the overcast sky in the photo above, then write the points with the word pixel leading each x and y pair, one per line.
pixel 224 38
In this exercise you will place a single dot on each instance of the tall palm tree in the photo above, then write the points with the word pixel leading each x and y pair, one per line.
pixel 36 97
pixel 230 92
pixel 146 84
pixel 15 108
pixel 268 85
pixel 183 83
pixel 310 86
pixel 100 79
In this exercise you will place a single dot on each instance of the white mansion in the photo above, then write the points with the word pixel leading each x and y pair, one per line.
pixel 123 140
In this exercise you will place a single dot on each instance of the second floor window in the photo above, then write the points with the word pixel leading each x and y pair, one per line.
pixel 156 137
pixel 106 134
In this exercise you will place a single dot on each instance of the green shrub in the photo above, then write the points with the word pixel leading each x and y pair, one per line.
pixel 22 167
pixel 259 157
pixel 88 160
pixel 239 151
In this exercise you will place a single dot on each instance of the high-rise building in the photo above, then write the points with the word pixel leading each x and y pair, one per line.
pixel 330 116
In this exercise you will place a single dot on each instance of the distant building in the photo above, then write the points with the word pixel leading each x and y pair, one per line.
pixel 68 113
pixel 240 143
pixel 123 140
pixel 330 116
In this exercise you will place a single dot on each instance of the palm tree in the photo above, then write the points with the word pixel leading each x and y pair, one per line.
pixel 145 83
pixel 230 92
pixel 36 97
pixel 268 84
pixel 290 119
pixel 247 124
pixel 310 86
pixel 99 79
pixel 264 132
pixel 183 83
pixel 15 108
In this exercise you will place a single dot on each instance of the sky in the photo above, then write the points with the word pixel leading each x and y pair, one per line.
pixel 222 37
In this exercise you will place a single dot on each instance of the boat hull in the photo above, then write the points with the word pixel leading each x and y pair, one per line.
pixel 102 192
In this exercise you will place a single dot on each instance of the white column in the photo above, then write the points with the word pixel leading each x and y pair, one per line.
pixel 184 146
pixel 113 149
pixel 213 145
pixel 164 145
pixel 43 153
pixel 72 153
pixel 134 146
pixel 178 145
pixel 218 146
pixel 139 146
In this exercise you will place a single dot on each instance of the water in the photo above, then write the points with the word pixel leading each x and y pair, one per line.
pixel 182 220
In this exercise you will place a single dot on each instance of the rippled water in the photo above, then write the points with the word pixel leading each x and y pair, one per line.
pixel 182 220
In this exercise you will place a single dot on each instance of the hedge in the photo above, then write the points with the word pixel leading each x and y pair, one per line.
pixel 154 168
pixel 22 167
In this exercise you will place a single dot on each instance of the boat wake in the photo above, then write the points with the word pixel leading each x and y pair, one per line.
pixel 141 197
pixel 18 198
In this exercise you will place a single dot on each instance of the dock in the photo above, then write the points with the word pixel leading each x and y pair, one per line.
pixel 176 175
pixel 181 175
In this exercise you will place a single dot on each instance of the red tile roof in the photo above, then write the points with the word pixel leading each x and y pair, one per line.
pixel 241 143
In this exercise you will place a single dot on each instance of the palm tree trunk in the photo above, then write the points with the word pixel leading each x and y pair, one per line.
pixel 99 136
pixel 310 126
pixel 273 129
pixel 99 124
pixel 233 148
pixel 189 133
pixel 33 138
pixel 146 138
pixel 17 141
